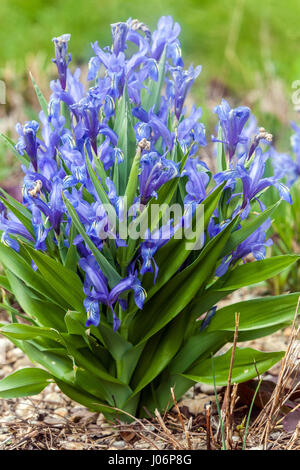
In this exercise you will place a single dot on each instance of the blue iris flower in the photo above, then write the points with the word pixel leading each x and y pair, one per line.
pixel 232 122
pixel 62 58
pixel 96 289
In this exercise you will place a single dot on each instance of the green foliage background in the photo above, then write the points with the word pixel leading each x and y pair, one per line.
pixel 255 32
pixel 246 48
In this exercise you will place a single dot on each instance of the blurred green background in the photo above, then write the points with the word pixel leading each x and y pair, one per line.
pixel 249 49
pixel 236 40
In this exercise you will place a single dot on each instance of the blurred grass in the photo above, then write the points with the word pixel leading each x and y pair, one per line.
pixel 249 49
pixel 237 40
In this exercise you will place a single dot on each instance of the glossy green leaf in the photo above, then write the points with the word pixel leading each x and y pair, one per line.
pixel 248 227
pixel 62 279
pixel 161 356
pixel 46 313
pixel 24 383
pixel 40 96
pixel 179 291
pixel 20 267
pixel 204 344
pixel 4 283
pixel 256 313
pixel 101 192
pixel 173 254
pixel 107 269
pixel 127 141
pixel 21 331
pixel 258 271
pixel 247 364
pixel 221 158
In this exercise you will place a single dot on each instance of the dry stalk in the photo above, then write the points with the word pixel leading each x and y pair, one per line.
pixel 185 430
pixel 287 380
pixel 229 403
pixel 175 443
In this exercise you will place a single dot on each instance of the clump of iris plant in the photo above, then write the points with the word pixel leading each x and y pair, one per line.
pixel 125 241
pixel 285 229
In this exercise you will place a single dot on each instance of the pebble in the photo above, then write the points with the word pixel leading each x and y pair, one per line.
pixel 261 447
pixel 54 397
pixel 72 445
pixel 4 343
pixel 101 419
pixel 207 389
pixel 24 410
pixel 197 405
pixel 119 444
pixel 14 354
pixel 61 412
pixel 53 421
pixel 22 362
pixel 5 370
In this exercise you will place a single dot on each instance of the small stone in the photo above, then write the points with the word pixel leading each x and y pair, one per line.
pixel 196 405
pixel 149 427
pixel 72 445
pixel 53 421
pixel 61 412
pixel 84 416
pixel 24 410
pixel 119 444
pixel 22 362
pixel 101 419
pixel 3 348
pixel 5 370
pixel 207 389
pixel 54 397
pixel 14 354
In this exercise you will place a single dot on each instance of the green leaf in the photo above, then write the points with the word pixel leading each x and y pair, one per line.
pixel 84 398
pixel 20 331
pixel 127 141
pixel 107 269
pixel 17 205
pixel 201 345
pixel 173 254
pixel 247 364
pixel 101 192
pixel 16 263
pixel 115 344
pixel 40 96
pixel 63 280
pixel 45 313
pixel 179 291
pixel 72 257
pixel 258 271
pixel 248 227
pixel 133 180
pixel 4 283
pixel 59 366
pixel 221 158
pixel 24 383
pixel 256 313
pixel 160 357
